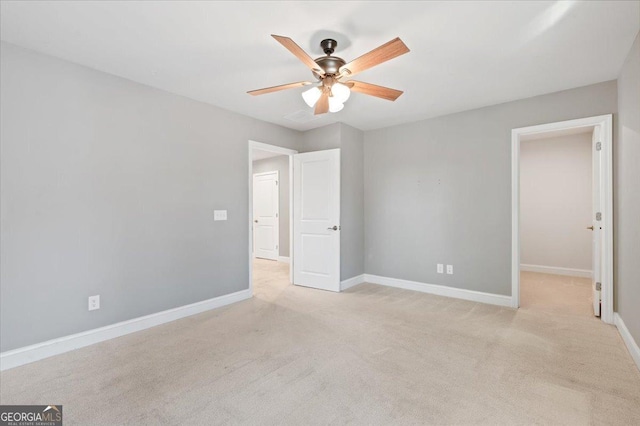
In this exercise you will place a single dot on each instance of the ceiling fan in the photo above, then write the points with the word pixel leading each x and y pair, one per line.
pixel 330 93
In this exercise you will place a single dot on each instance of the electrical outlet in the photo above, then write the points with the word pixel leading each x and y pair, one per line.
pixel 94 302
pixel 440 268
pixel 219 215
pixel 450 269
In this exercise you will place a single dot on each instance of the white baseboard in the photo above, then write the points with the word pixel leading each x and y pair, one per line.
pixel 441 290
pixel 556 270
pixel 353 281
pixel 27 354
pixel 285 259
pixel 628 339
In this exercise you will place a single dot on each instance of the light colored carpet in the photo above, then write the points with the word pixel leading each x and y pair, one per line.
pixel 556 294
pixel 371 355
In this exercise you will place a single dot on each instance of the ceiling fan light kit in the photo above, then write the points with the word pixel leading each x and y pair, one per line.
pixel 339 95
pixel 340 91
pixel 330 94
pixel 311 96
pixel 335 105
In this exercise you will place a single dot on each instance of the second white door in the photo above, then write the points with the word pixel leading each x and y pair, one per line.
pixel 316 225
pixel 265 215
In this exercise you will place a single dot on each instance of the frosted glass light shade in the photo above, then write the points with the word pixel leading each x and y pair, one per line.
pixel 340 92
pixel 334 104
pixel 311 96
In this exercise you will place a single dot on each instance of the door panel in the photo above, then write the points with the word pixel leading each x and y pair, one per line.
pixel 264 238
pixel 314 247
pixel 316 190
pixel 265 215
pixel 316 201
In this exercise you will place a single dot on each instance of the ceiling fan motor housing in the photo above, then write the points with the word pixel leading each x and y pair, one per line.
pixel 329 64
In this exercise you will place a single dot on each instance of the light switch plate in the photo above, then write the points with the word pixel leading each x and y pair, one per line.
pixel 450 269
pixel 219 215
pixel 440 268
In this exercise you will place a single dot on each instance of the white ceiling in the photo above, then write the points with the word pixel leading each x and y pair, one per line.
pixel 463 54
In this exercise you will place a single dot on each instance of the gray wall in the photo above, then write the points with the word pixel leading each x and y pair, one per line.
pixel 350 141
pixel 352 201
pixel 281 164
pixel 108 187
pixel 327 137
pixel 627 194
pixel 555 202
pixel 439 190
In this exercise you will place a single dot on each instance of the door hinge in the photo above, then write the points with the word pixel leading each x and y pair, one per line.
pixel 598 286
pixel 277 181
pixel 598 146
pixel 276 247
pixel 598 216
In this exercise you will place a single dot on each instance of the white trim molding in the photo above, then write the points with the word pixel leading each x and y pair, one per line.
pixel 441 290
pixel 271 148
pixel 284 259
pixel 628 339
pixel 351 282
pixel 38 351
pixel 556 270
pixel 605 122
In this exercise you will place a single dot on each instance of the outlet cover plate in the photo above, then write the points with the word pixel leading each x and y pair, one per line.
pixel 450 269
pixel 94 302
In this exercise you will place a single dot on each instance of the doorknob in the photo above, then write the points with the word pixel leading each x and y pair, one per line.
pixel 590 227
pixel 256 221
pixel 333 228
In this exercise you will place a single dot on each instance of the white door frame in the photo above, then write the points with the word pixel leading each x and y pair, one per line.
pixel 282 151
pixel 606 123
pixel 277 222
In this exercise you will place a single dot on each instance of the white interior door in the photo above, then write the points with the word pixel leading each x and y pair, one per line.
pixel 596 218
pixel 265 215
pixel 316 215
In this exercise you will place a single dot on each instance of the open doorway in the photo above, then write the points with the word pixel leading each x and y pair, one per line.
pixel 270 207
pixel 555 221
pixel 562 217
pixel 308 193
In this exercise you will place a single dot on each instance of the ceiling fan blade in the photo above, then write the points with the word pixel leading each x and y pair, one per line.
pixel 300 54
pixel 322 107
pixel 374 90
pixel 278 88
pixel 381 54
